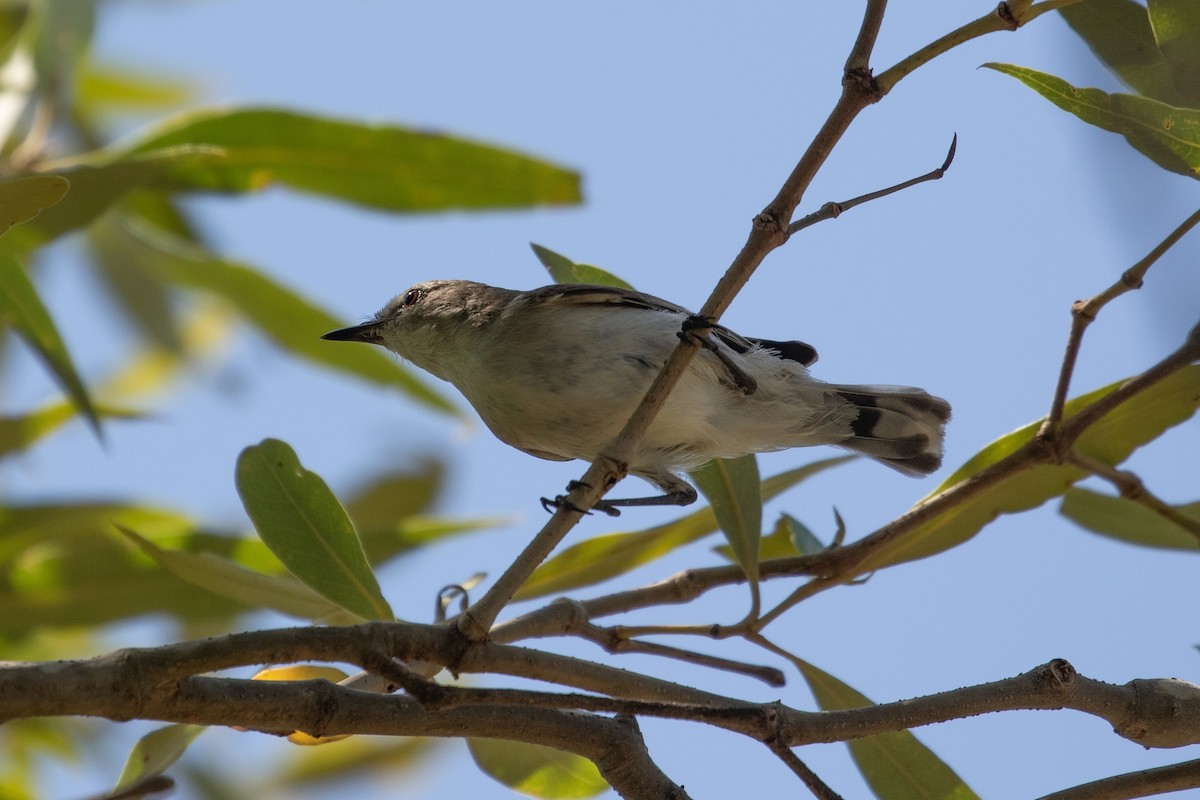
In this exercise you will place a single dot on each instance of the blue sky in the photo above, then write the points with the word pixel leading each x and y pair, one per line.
pixel 684 120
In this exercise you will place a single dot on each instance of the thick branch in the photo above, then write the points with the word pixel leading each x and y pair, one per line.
pixel 1152 712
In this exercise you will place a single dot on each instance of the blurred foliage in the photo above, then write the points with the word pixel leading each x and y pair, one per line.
pixel 70 567
pixel 78 565
pixel 1155 50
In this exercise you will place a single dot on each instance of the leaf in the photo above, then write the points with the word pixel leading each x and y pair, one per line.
pixel 1176 25
pixel 803 540
pixel 1169 136
pixel 303 524
pixel 357 757
pixel 24 198
pixel 780 543
pixel 602 557
pixel 18 433
pixel 103 88
pixel 537 771
pixel 1119 34
pixel 379 166
pixel 390 498
pixel 155 752
pixel 1140 419
pixel 21 308
pixel 62 566
pixel 305 672
pixel 732 488
pixel 279 313
pixel 564 270
pixel 142 294
pixel 1128 521
pixel 895 765
pixel 254 590
pixel 97 185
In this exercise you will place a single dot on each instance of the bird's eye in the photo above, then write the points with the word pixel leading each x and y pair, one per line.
pixel 411 296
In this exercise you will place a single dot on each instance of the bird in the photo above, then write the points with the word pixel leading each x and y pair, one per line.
pixel 557 371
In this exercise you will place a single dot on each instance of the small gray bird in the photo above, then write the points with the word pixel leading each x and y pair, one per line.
pixel 557 371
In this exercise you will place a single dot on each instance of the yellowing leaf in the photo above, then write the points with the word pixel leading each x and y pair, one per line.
pixel 155 752
pixel 24 198
pixel 1140 419
pixel 537 771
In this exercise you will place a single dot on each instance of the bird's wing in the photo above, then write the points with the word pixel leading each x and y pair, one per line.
pixel 583 294
pixel 804 354
pixel 590 295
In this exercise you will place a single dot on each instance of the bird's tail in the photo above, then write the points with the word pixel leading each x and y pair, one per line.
pixel 899 426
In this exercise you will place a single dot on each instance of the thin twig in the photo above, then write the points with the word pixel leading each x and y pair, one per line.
pixel 1083 313
pixel 835 209
pixel 1142 783
pixel 613 641
pixel 1131 488
pixel 1005 17
pixel 1071 429
pixel 768 233
pixel 818 787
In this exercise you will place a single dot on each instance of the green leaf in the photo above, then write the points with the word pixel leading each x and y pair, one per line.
pixel 24 198
pixel 803 540
pixel 1176 25
pixel 97 186
pixel 732 488
pixel 18 433
pixel 21 308
pixel 287 319
pixel 1119 34
pixel 379 166
pixel 537 771
pixel 564 270
pixel 780 543
pixel 390 498
pixel 1169 136
pixel 300 520
pixel 895 765
pixel 62 566
pixel 155 752
pixel 364 757
pixel 1128 521
pixel 602 557
pixel 1140 419
pixel 254 590
pixel 101 88
pixel 142 294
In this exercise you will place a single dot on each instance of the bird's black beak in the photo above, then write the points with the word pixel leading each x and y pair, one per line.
pixel 367 332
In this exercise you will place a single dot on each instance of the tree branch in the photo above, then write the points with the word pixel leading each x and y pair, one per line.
pixel 835 209
pixel 1151 712
pixel 1083 313
pixel 768 232
pixel 1142 783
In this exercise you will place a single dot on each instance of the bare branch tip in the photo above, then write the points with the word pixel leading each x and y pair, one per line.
pixel 950 155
